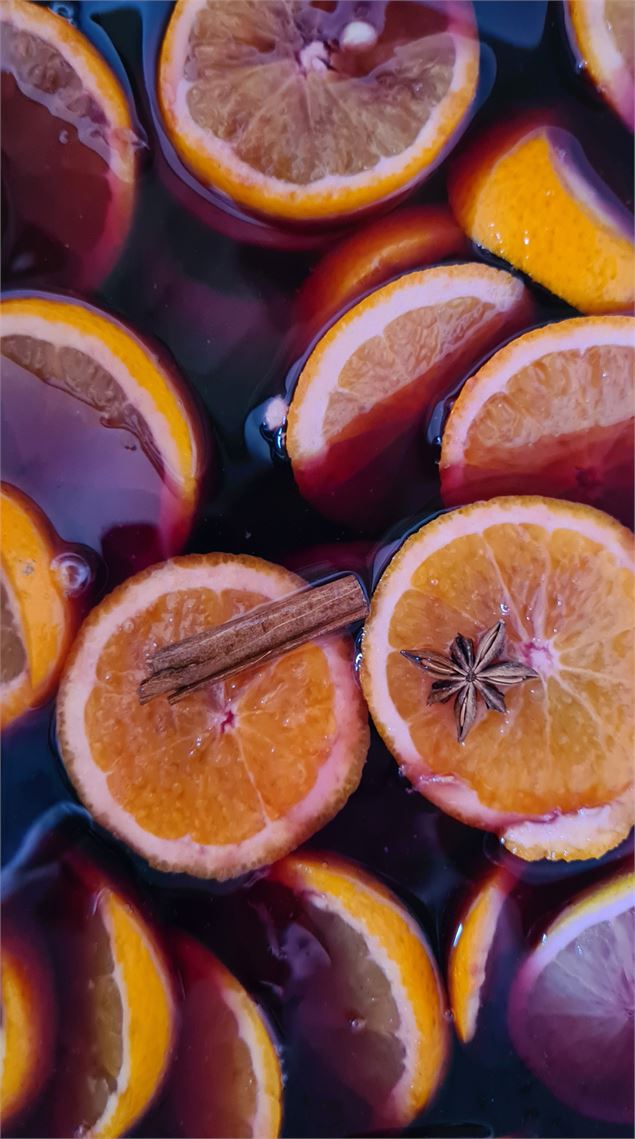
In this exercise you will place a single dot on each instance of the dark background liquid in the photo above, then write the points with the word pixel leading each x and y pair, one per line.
pixel 222 307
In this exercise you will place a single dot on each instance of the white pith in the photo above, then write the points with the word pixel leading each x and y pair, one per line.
pixel 125 1071
pixel 247 1014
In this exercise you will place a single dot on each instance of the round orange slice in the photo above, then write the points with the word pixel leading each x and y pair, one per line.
pixel 241 771
pixel 36 616
pixel 373 1009
pixel 28 1021
pixel 225 1078
pixel 305 112
pixel 362 396
pixel 68 146
pixel 553 775
pixel 526 192
pixel 602 34
pixel 551 413
pixel 470 952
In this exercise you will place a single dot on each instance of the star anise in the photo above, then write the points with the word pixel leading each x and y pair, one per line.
pixel 469 672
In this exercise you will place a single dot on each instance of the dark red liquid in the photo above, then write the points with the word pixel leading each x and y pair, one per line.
pixel 222 304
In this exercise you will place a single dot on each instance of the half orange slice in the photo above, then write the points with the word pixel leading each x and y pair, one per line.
pixel 471 949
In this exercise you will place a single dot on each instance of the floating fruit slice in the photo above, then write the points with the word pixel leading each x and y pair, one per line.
pixel 303 112
pixel 409 239
pixel 551 413
pixel 36 620
pixel 225 1078
pixel 602 34
pixel 117 1035
pixel 470 952
pixel 68 147
pixel 526 192
pixel 360 400
pixel 28 1021
pixel 571 1007
pixel 242 770
pixel 553 777
pixel 69 372
pixel 373 1006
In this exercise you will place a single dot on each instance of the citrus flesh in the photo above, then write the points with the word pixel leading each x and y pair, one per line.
pixel 225 1078
pixel 602 33
pixel 65 112
pixel 375 1014
pixel 551 413
pixel 571 1006
pixel 268 104
pixel 26 1034
pixel 553 776
pixel 239 772
pixel 470 952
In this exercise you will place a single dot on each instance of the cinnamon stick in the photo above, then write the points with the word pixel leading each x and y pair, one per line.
pixel 265 632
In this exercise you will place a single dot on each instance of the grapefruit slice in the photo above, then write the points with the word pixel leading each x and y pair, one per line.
pixel 68 147
pixel 244 769
pixel 602 35
pixel 308 112
pixel 554 776
pixel 225 1078
pixel 36 619
pixel 70 371
pixel 361 398
pixel 525 191
pixel 571 1007
pixel 470 952
pixel 373 1008
pixel 551 413
pixel 27 1034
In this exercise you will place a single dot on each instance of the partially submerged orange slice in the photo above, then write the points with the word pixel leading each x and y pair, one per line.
pixel 525 191
pixel 27 1029
pixel 309 111
pixel 225 1078
pixel 553 776
pixel 68 146
pixel 373 1009
pixel 471 949
pixel 602 34
pixel 551 413
pixel 242 770
pixel 36 619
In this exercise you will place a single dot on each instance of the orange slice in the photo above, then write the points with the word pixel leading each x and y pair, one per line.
pixel 571 1006
pixel 363 393
pixel 551 413
pixel 470 951
pixel 602 34
pixel 526 192
pixel 225 1078
pixel 240 772
pixel 36 617
pixel 77 355
pixel 553 776
pixel 374 1009
pixel 28 1022
pixel 68 146
pixel 303 112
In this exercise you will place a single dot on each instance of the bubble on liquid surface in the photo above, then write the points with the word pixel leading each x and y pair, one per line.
pixel 68 11
pixel 74 573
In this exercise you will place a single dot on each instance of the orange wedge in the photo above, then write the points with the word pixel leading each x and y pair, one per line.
pixel 36 617
pixel 602 34
pixel 362 396
pixel 551 413
pixel 373 1009
pixel 28 1022
pixel 225 1078
pixel 553 775
pixel 303 112
pixel 471 949
pixel 526 192
pixel 68 145
pixel 240 772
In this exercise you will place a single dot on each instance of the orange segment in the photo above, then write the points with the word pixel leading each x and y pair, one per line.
pixel 302 112
pixel 554 776
pixel 36 618
pixel 470 952
pixel 376 1016
pixel 27 1029
pixel 526 193
pixel 239 772
pixel 225 1078
pixel 602 33
pixel 551 413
